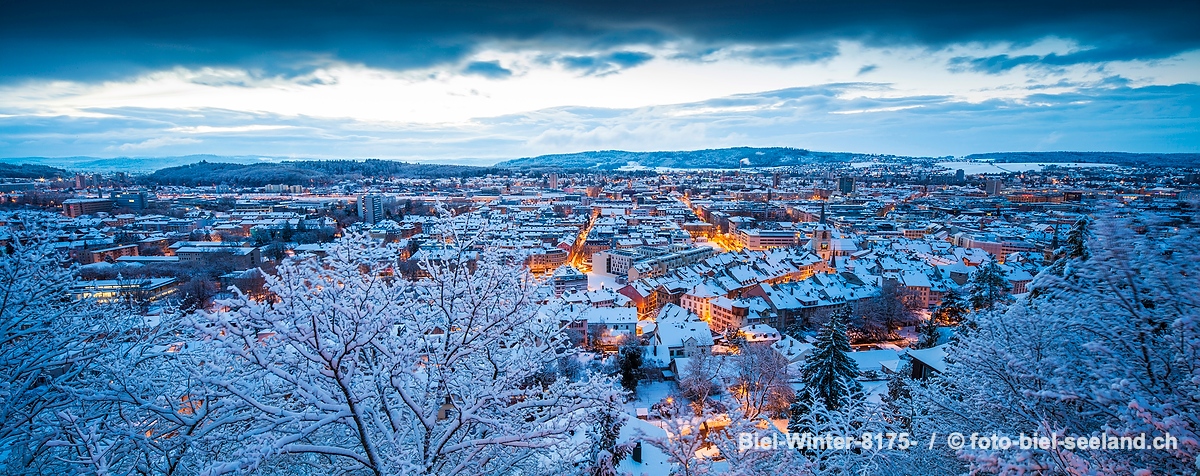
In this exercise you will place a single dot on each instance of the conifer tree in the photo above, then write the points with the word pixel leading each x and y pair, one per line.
pixel 1074 250
pixel 988 286
pixel 928 334
pixel 629 358
pixel 952 310
pixel 829 371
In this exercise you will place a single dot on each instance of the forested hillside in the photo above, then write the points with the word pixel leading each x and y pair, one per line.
pixel 304 172
pixel 709 158
pixel 30 171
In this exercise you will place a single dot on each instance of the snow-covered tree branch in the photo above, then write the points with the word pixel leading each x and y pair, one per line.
pixel 441 375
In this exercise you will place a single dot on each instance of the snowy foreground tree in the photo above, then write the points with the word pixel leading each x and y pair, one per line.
pixel 760 382
pixel 35 354
pixel 1109 347
pixel 82 386
pixel 356 370
pixel 44 345
pixel 351 371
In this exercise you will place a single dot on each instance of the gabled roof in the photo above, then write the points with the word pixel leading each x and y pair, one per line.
pixel 934 357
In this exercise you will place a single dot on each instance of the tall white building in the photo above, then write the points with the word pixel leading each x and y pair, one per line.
pixel 370 208
pixel 993 186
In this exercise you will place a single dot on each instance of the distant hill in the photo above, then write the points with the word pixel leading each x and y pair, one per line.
pixel 266 169
pixel 694 159
pixel 312 172
pixel 30 171
pixel 133 164
pixel 1118 158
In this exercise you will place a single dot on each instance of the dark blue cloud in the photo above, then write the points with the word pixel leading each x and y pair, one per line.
pixel 601 64
pixel 488 69
pixel 867 69
pixel 78 39
pixel 793 54
pixel 1113 51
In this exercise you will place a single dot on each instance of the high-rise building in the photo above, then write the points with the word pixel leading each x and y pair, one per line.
pixel 993 186
pixel 960 175
pixel 370 208
pixel 86 181
pixel 846 185
pixel 554 181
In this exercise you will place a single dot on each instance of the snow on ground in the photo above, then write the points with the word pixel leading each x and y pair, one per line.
pixel 971 168
pixel 654 461
pixel 875 360
pixel 875 390
pixel 597 280
pixel 650 393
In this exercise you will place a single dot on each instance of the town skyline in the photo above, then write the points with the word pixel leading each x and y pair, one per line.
pixel 766 301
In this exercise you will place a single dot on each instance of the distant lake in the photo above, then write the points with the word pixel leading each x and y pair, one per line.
pixel 971 168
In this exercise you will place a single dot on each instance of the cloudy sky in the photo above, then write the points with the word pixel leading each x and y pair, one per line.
pixel 487 80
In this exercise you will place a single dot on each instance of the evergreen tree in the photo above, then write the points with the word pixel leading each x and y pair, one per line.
pixel 988 286
pixel 928 334
pixel 1075 249
pixel 898 401
pixel 845 313
pixel 287 232
pixel 952 310
pixel 1076 246
pixel 829 371
pixel 799 413
pixel 607 453
pixel 629 359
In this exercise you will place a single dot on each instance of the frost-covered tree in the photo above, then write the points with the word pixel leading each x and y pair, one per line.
pixel 854 419
pixel 357 370
pixel 47 341
pixel 898 403
pixel 755 461
pixel 607 454
pixel 698 380
pixel 1077 237
pixel 879 317
pixel 760 381
pixel 1071 254
pixel 1113 348
pixel 988 286
pixel 141 410
pixel 88 387
pixel 687 433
